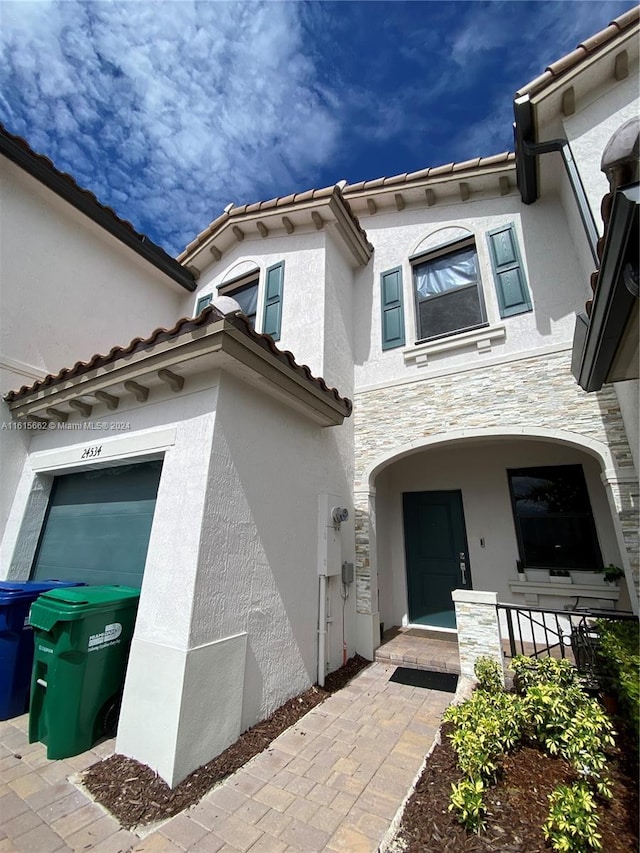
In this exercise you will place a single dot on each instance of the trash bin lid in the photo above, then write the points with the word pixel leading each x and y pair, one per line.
pixel 76 601
pixel 11 591
pixel 67 605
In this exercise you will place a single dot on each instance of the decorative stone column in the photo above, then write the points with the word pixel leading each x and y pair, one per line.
pixel 624 500
pixel 368 615
pixel 478 629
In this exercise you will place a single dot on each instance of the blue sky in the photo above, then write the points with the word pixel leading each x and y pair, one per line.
pixel 169 110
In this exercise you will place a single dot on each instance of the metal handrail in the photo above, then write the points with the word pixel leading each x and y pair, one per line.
pixel 560 632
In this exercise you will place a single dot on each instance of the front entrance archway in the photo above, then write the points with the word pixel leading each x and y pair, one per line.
pixel 477 468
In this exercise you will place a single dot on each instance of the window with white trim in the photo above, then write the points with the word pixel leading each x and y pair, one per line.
pixel 447 290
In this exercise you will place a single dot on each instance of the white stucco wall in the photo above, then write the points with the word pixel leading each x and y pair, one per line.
pixel 478 470
pixel 258 555
pixel 303 289
pixel 68 290
pixel 70 285
pixel 598 115
pixel 550 266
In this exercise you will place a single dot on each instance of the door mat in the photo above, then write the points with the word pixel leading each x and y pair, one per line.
pixel 446 682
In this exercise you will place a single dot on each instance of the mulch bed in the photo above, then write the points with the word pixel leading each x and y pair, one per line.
pixel 517 804
pixel 136 795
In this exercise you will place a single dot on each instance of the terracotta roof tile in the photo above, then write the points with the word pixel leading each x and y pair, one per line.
pixel 419 175
pixel 441 170
pixel 272 204
pixel 584 50
pixel 466 164
pixel 209 315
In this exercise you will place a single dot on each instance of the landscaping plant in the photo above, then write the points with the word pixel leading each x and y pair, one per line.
pixel 620 658
pixel 550 709
pixel 572 822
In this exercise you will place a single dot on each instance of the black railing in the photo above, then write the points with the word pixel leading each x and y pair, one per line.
pixel 541 632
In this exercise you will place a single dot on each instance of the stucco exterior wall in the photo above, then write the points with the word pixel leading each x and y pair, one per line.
pixel 556 289
pixel 590 128
pixel 68 289
pixel 75 288
pixel 303 312
pixel 628 394
pixel 258 549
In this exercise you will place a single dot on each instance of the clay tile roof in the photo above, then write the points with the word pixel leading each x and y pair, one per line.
pixel 272 204
pixel 583 51
pixel 441 170
pixel 466 164
pixel 43 169
pixel 433 172
pixel 186 324
pixel 419 175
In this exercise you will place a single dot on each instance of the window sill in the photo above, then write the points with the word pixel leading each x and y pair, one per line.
pixel 606 592
pixel 482 338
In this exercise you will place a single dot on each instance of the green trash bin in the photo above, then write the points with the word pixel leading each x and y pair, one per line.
pixel 82 638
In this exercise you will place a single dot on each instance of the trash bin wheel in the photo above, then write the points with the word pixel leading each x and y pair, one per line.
pixel 108 716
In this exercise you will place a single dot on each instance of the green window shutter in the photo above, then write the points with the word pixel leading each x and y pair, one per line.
pixel 203 302
pixel 392 310
pixel 273 301
pixel 508 271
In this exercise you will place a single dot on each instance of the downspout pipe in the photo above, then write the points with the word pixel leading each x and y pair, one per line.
pixel 322 630
pixel 527 153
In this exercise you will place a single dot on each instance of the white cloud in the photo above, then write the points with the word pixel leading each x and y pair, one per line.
pixel 153 99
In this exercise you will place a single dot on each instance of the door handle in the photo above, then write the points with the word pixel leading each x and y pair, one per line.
pixel 463 568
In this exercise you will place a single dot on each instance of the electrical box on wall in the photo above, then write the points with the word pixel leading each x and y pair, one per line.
pixel 347 573
pixel 331 514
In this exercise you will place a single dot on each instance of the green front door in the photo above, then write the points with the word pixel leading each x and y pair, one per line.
pixel 98 525
pixel 436 554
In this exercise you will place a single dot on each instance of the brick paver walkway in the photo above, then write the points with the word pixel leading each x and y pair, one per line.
pixel 333 782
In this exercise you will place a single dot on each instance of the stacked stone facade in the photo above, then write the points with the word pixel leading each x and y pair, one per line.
pixel 536 393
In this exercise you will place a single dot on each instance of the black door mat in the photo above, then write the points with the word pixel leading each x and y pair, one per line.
pixel 446 682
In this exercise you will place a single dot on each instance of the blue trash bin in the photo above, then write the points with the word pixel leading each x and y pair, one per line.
pixel 16 641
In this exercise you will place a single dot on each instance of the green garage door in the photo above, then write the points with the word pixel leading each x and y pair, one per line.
pixel 98 525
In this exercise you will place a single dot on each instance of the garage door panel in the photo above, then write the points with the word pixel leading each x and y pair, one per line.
pixel 98 526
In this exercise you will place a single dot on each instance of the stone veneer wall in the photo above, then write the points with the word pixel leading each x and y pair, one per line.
pixel 538 392
pixel 478 629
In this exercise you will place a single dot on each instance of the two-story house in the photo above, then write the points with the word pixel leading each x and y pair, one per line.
pixel 208 462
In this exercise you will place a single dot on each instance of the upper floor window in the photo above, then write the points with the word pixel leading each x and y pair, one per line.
pixel 447 290
pixel 245 292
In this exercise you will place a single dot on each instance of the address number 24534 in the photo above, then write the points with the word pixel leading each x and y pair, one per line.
pixel 90 452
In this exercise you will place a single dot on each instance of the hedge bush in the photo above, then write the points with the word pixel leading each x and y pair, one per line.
pixel 618 649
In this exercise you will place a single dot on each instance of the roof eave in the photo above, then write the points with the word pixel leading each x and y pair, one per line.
pixel 597 341
pixel 222 345
pixel 86 203
pixel 354 237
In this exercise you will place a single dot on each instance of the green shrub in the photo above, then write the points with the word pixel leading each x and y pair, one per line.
pixel 485 727
pixel 489 674
pixel 572 822
pixel 618 650
pixel 466 801
pixel 570 725
pixel 533 671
